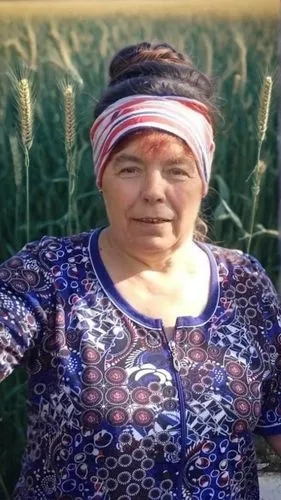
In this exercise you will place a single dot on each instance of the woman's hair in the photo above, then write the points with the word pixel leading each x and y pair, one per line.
pixel 156 69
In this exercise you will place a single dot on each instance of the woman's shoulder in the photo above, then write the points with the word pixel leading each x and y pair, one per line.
pixel 49 243
pixel 46 254
pixel 235 258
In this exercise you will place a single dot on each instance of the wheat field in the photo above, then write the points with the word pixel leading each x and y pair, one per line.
pixel 37 170
pixel 152 8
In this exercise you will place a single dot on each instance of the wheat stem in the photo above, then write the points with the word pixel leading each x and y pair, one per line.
pixel 17 164
pixel 70 136
pixel 259 168
pixel 4 489
pixel 26 120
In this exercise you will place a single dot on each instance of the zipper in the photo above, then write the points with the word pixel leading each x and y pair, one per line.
pixel 176 364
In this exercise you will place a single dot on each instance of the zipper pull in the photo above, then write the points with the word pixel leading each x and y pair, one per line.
pixel 176 362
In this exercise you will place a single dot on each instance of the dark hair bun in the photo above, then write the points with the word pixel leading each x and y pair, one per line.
pixel 155 69
pixel 145 52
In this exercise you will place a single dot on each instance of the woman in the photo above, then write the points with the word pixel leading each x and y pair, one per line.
pixel 152 356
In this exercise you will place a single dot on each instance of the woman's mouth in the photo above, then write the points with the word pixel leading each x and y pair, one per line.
pixel 154 220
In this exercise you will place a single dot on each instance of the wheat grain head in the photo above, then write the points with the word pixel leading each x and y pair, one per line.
pixel 25 109
pixel 264 108
pixel 69 117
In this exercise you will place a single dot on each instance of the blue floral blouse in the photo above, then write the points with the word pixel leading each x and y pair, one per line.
pixel 115 411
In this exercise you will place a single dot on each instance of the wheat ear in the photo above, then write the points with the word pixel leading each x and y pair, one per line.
pixel 264 108
pixel 26 122
pixel 259 169
pixel 70 137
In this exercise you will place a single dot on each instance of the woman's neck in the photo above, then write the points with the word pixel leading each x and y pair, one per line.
pixel 174 262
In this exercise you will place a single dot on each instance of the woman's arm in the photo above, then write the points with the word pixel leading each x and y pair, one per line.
pixel 275 443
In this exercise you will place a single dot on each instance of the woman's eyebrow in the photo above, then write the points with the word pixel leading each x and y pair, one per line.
pixel 175 160
pixel 126 157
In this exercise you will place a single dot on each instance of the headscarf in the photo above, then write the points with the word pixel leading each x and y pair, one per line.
pixel 186 118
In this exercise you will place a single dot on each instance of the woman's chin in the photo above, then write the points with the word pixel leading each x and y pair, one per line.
pixel 153 242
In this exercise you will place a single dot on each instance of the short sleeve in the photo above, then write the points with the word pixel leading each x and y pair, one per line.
pixel 25 294
pixel 269 422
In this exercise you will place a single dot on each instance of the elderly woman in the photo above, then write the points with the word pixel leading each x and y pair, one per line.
pixel 152 356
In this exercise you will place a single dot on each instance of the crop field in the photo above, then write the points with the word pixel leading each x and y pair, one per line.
pixel 35 169
pixel 152 8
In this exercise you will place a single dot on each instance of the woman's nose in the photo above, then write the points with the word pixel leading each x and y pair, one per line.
pixel 153 188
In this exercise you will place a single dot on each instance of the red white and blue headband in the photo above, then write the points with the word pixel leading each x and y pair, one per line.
pixel 183 117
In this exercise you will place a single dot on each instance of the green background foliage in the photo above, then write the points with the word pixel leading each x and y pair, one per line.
pixel 237 54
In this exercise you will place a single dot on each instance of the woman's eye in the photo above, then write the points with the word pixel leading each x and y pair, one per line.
pixel 129 170
pixel 179 172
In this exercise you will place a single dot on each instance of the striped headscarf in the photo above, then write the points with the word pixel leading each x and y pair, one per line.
pixel 181 116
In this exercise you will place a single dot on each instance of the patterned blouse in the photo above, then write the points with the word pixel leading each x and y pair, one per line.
pixel 115 411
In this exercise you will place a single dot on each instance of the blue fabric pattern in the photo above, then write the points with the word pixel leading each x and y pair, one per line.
pixel 118 412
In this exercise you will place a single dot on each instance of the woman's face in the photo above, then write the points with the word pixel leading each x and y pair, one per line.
pixel 152 193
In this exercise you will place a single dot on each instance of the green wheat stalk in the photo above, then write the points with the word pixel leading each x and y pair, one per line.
pixel 259 168
pixel 70 136
pixel 17 164
pixel 4 489
pixel 26 122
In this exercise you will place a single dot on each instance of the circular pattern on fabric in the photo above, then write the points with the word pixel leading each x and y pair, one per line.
pixel 202 462
pixel 242 406
pixel 138 474
pixel 214 352
pixel 125 438
pixel 147 464
pixel 154 493
pixel 154 387
pixel 19 285
pixel 140 395
pixel 91 375
pixel 116 375
pixel 163 437
pixel 234 369
pixel 198 355
pixel 15 262
pixel 54 342
pixel 111 484
pixel 223 479
pixel 148 483
pixel 5 274
pixel 147 443
pixel 138 454
pixel 103 473
pixel 125 460
pixel 196 337
pixel 111 462
pixel 204 481
pixel 90 355
pixel 117 416
pixel 133 489
pixel 142 417
pixel 239 426
pixel 124 477
pixel 169 391
pixel 31 277
pixel 208 447
pixel 91 418
pixel 91 396
pixel 117 396
pixel 156 399
pixel 238 387
pixel 39 389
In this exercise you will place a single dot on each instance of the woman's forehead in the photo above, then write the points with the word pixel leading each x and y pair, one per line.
pixel 152 143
